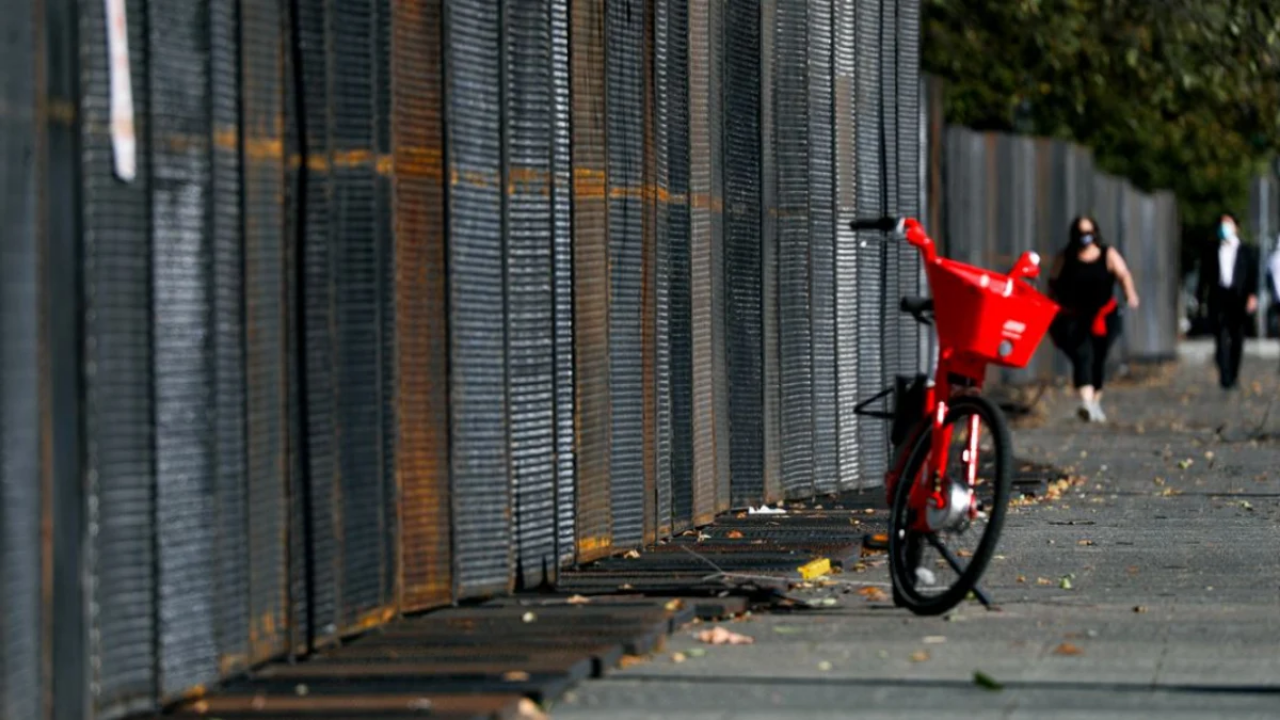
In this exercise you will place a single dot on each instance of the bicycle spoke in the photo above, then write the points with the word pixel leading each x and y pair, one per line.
pixel 936 570
pixel 971 457
pixel 945 552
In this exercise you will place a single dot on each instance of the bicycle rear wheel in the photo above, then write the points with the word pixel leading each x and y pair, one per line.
pixel 932 572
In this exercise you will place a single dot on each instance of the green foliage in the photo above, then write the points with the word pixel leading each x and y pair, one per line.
pixel 1178 94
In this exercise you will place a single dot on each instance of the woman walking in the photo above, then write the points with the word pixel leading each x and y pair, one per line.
pixel 1082 282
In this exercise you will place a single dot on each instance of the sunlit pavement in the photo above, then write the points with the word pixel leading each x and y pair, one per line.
pixel 1152 589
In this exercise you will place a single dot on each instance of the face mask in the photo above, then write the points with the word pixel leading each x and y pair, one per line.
pixel 1086 239
pixel 1227 231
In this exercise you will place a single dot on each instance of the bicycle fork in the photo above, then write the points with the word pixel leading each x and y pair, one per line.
pixel 946 502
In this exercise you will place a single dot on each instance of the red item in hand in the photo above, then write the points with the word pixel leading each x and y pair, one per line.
pixel 1100 320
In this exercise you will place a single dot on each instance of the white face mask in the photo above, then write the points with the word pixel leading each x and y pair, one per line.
pixel 1227 231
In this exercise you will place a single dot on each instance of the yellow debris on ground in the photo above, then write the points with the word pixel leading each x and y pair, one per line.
pixel 815 569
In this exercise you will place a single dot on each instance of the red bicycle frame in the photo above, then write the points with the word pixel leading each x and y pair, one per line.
pixel 982 318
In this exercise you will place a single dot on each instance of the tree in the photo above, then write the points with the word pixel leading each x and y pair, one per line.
pixel 1178 94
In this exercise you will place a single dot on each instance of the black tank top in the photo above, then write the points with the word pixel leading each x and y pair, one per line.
pixel 1085 287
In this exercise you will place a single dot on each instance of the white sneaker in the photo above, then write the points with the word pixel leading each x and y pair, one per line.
pixel 1096 414
pixel 925 577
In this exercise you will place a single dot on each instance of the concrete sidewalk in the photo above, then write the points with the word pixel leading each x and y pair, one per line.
pixel 1200 350
pixel 1171 549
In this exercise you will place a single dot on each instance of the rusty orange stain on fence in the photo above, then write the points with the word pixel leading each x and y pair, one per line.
pixel 589 183
pixel 420 162
pixel 528 179
pixel 374 618
pixel 232 664
pixel 594 544
pixel 704 201
pixel 474 178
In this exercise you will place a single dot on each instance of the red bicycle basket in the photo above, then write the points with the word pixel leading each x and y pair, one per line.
pixel 987 316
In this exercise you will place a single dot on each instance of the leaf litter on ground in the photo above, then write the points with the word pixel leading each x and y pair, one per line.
pixel 873 594
pixel 719 636
pixel 985 681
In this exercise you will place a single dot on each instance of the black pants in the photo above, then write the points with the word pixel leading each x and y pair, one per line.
pixel 1228 340
pixel 1086 351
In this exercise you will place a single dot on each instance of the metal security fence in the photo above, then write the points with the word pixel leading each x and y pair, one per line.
pixel 317 312
pixel 1263 223
pixel 1004 194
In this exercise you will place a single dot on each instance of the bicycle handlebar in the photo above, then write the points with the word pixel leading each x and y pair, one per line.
pixel 907 229
pixel 882 224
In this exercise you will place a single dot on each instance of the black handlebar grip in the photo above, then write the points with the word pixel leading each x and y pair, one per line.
pixel 916 305
pixel 882 224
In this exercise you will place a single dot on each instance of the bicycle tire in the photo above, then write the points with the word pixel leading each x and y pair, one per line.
pixel 905 548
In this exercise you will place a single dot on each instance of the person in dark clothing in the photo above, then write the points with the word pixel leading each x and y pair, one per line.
pixel 1229 289
pixel 1082 282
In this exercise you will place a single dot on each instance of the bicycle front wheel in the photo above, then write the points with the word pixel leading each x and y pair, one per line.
pixel 933 572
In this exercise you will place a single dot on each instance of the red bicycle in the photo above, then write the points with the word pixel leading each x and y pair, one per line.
pixel 950 443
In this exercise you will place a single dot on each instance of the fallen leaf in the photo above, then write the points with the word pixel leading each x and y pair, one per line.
pixel 301 690
pixel 920 656
pixel 1067 649
pixel 1022 578
pixel 678 658
pixel 1184 464
pixel 1086 543
pixel 985 681
pixel 1065 582
pixel 734 535
pixel 528 617
pixel 873 594
pixel 630 661
pixel 578 600
pixel 516 676
pixel 1246 505
pixel 964 553
pixel 934 639
pixel 696 652
pixel 632 554
pixel 786 630
pixel 720 636
pixel 1139 608
pixel 869 511
pixel 824 666
pixel 673 605
pixel 529 710
pixel 1043 581
pixel 815 569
